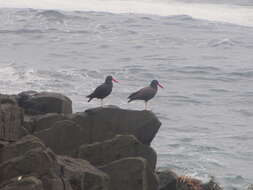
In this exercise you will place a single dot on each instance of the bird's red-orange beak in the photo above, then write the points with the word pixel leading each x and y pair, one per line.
pixel 160 85
pixel 114 80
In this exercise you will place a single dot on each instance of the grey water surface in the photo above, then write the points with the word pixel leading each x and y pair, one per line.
pixel 206 108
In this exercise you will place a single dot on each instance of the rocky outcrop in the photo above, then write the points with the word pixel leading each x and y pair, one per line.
pixel 35 162
pixel 64 137
pixel 11 119
pixel 28 163
pixel 65 133
pixel 100 124
pixel 131 173
pixel 41 122
pixel 82 175
pixel 121 146
pixel 44 102
pixel 25 183
pixel 98 149
pixel 167 180
pixel 20 147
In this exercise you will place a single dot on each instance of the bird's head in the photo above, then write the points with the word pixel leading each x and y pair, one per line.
pixel 109 79
pixel 155 83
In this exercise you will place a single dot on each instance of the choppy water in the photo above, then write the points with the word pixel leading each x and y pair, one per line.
pixel 206 67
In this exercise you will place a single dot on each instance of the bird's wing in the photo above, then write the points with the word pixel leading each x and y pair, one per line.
pixel 100 89
pixel 142 93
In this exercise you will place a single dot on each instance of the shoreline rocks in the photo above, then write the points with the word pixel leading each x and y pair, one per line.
pixel 44 146
pixel 121 146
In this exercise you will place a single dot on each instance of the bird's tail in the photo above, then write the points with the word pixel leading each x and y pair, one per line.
pixel 130 100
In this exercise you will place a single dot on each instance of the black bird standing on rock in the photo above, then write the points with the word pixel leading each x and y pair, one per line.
pixel 146 93
pixel 103 90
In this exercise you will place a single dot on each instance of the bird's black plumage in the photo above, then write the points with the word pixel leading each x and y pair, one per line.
pixel 145 93
pixel 103 90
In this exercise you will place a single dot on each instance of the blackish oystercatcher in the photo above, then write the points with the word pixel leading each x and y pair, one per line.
pixel 146 93
pixel 103 90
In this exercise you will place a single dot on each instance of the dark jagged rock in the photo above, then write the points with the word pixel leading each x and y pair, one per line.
pixel 188 183
pixel 111 138
pixel 26 183
pixel 44 102
pixel 8 99
pixel 64 137
pixel 131 173
pixel 20 147
pixel 11 119
pixel 30 157
pixel 55 183
pixel 211 185
pixel 104 123
pixel 82 175
pixel 167 180
pixel 35 162
pixel 41 122
pixel 119 147
pixel 2 145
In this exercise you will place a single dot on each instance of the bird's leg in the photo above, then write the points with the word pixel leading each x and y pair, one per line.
pixel 146 105
pixel 102 103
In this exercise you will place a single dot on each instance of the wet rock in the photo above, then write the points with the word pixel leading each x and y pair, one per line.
pixel 25 183
pixel 167 180
pixel 82 175
pixel 131 173
pixel 101 124
pixel 121 146
pixel 64 137
pixel 11 119
pixel 2 145
pixel 85 123
pixel 41 122
pixel 188 183
pixel 8 99
pixel 44 102
pixel 20 147
pixel 55 183
pixel 211 185
pixel 35 162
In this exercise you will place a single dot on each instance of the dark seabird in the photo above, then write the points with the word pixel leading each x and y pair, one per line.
pixel 103 90
pixel 146 93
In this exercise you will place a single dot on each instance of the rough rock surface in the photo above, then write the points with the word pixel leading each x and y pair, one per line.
pixel 20 147
pixel 64 137
pixel 35 162
pixel 11 119
pixel 131 173
pixel 113 139
pixel 82 175
pixel 104 123
pixel 167 180
pixel 31 160
pixel 26 183
pixel 96 125
pixel 37 123
pixel 44 102
pixel 119 147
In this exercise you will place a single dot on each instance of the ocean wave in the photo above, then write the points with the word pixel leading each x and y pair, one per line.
pixel 22 31
pixel 226 42
pixel 215 12
pixel 246 74
pixel 51 14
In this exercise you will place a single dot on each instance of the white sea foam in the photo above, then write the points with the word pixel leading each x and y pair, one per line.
pixel 234 14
